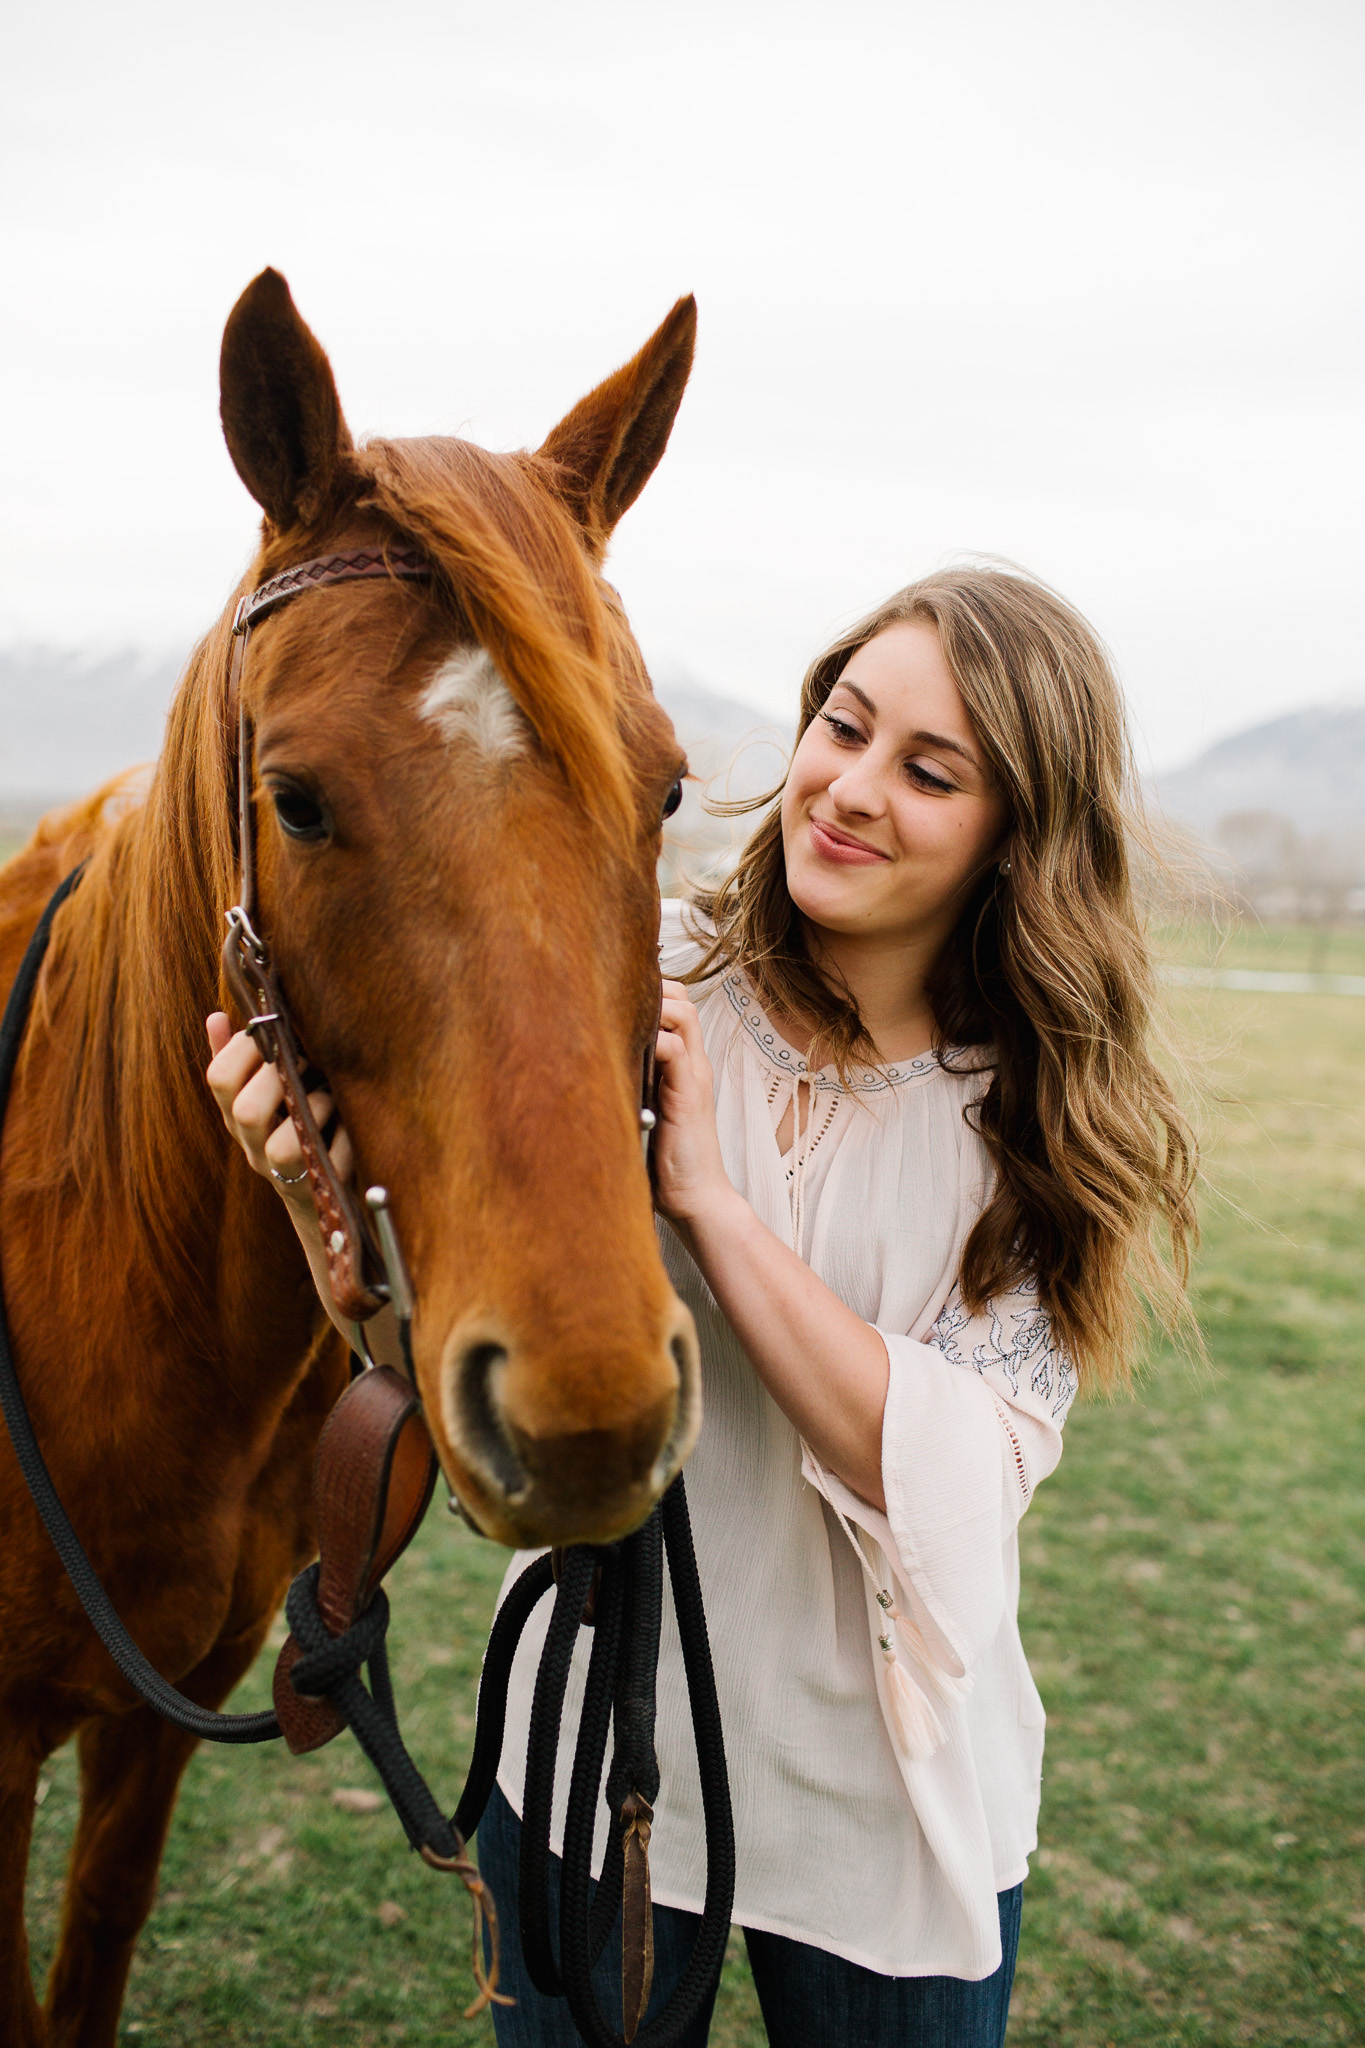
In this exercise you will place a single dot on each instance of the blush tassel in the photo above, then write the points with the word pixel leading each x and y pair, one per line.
pixel 910 1714
pixel 914 1721
pixel 952 1691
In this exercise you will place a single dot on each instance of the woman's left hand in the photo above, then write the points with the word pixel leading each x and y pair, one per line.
pixel 689 1172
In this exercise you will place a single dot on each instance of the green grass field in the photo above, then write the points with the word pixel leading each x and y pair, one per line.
pixel 1282 948
pixel 1193 1603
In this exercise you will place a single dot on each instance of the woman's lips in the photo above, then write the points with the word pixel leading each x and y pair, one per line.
pixel 831 844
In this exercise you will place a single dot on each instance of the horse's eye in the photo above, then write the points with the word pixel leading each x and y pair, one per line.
pixel 673 799
pixel 300 815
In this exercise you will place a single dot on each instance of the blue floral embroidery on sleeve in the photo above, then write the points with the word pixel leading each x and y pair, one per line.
pixel 1052 1376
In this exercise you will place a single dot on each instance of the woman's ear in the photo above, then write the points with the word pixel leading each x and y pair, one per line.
pixel 281 415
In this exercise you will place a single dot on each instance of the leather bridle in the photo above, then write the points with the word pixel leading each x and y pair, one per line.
pixel 350 1248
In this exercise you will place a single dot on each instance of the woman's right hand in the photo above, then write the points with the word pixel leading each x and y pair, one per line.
pixel 250 1096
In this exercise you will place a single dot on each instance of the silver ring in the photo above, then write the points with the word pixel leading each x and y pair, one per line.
pixel 288 1180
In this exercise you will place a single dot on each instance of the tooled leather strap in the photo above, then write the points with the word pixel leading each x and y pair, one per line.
pixel 246 958
pixel 372 1480
pixel 345 1239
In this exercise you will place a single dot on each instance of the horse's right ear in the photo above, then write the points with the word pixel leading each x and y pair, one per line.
pixel 606 449
pixel 281 415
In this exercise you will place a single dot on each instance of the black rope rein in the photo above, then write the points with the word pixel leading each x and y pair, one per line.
pixel 141 1675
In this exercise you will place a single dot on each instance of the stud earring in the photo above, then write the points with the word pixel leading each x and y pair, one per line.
pixel 1004 867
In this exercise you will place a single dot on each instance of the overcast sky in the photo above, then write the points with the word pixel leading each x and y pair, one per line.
pixel 1079 285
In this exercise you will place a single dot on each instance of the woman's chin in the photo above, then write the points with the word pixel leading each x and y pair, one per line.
pixel 834 902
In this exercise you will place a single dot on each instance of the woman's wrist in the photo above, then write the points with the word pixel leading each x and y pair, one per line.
pixel 712 1222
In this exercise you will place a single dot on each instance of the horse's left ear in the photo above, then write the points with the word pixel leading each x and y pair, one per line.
pixel 607 448
pixel 281 414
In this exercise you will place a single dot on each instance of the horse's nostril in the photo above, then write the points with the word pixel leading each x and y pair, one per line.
pixel 477 1377
pixel 682 1435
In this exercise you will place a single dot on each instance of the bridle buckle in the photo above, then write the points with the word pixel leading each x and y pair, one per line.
pixel 240 924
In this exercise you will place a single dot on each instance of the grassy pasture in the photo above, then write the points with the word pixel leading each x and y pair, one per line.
pixel 1194 1605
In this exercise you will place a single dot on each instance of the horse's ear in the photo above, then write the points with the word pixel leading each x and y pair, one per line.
pixel 606 449
pixel 281 415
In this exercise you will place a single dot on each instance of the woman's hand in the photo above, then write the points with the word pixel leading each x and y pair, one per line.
pixel 689 1173
pixel 251 1097
pixel 826 1368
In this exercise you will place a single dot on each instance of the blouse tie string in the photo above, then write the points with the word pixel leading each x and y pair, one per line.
pixel 914 1723
pixel 800 1154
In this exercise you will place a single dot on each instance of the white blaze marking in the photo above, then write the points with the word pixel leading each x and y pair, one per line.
pixel 470 702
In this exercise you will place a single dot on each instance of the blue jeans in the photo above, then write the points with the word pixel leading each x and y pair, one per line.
pixel 810 1999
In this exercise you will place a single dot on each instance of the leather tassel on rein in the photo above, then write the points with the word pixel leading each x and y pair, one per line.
pixel 637 1917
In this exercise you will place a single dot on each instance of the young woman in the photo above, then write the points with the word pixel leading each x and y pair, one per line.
pixel 915 1162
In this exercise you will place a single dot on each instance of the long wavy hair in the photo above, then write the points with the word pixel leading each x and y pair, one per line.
pixel 1048 967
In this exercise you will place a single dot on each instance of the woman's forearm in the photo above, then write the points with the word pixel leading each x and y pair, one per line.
pixel 824 1366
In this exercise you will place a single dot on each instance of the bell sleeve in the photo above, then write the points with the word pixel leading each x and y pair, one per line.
pixel 972 1424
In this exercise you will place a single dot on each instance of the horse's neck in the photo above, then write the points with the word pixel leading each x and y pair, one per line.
pixel 206 1250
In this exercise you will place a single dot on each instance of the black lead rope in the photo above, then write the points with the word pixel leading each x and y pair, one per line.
pixel 632 1589
pixel 141 1675
pixel 622 1672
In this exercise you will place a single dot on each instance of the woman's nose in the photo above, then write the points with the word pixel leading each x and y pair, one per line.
pixel 859 790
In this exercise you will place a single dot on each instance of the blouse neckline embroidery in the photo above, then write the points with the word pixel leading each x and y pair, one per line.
pixel 785 1060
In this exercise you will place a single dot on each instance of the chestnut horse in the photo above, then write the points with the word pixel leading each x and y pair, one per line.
pixel 458 791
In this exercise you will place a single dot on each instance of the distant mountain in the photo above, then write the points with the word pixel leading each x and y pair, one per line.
pixel 723 736
pixel 1307 767
pixel 733 752
pixel 69 721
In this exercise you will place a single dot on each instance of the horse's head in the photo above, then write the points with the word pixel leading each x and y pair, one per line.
pixel 458 790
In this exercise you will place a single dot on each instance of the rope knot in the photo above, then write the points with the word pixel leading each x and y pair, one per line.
pixel 328 1661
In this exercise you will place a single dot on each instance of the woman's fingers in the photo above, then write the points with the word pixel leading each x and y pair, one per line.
pixel 669 1047
pixel 678 1014
pixel 343 1159
pixel 250 1095
pixel 256 1107
pixel 690 1172
pixel 684 1072
pixel 232 1065
pixel 680 1019
pixel 283 1153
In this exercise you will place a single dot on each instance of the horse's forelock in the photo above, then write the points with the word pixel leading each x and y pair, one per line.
pixel 518 568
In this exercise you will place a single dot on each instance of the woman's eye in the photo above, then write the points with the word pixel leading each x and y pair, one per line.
pixel 928 780
pixel 845 733
pixel 300 815
pixel 673 799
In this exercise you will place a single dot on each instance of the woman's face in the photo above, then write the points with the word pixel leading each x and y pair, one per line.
pixel 888 815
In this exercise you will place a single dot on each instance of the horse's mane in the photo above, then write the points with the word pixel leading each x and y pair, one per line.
pixel 135 971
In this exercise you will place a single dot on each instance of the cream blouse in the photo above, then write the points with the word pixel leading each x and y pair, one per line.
pixel 883 1734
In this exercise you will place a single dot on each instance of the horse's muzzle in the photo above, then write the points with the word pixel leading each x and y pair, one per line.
pixel 526 1481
